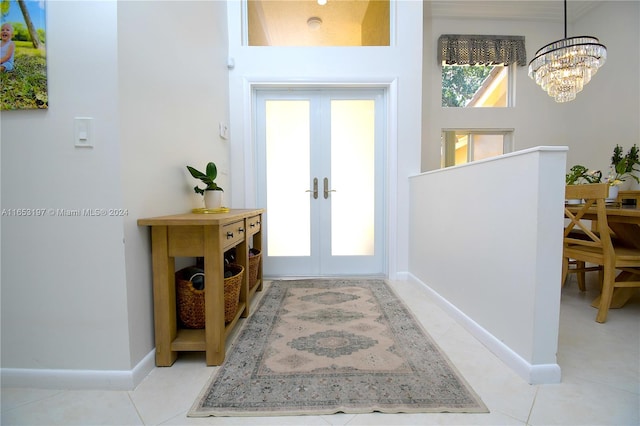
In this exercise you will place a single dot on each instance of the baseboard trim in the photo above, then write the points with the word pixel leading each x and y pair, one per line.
pixel 79 379
pixel 400 276
pixel 533 373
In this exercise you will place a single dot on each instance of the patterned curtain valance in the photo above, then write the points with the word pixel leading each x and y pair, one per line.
pixel 481 50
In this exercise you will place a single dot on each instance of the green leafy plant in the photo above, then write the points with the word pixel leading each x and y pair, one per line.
pixel 623 166
pixel 460 83
pixel 580 174
pixel 207 178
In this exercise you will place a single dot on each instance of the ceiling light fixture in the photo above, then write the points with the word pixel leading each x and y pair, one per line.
pixel 564 67
pixel 322 2
pixel 314 23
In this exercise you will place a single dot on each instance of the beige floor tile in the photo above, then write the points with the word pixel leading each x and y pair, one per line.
pixel 584 403
pixel 168 391
pixel 427 419
pixel 15 397
pixel 81 408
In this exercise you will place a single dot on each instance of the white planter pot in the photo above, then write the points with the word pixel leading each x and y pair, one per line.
pixel 613 193
pixel 213 199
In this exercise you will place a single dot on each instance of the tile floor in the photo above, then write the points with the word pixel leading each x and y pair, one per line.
pixel 600 386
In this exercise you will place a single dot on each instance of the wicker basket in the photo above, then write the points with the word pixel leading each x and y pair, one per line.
pixel 232 291
pixel 190 301
pixel 254 263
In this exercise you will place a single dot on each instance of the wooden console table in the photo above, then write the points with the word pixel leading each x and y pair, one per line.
pixel 208 236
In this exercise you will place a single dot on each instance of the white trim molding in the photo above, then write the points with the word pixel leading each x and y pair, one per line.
pixel 79 379
pixel 534 374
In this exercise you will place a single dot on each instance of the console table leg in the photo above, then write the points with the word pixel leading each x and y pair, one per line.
pixel 164 297
pixel 214 295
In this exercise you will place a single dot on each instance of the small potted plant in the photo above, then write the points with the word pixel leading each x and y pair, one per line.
pixel 212 193
pixel 580 174
pixel 622 168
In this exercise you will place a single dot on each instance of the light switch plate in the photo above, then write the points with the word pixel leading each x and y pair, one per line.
pixel 82 132
pixel 224 130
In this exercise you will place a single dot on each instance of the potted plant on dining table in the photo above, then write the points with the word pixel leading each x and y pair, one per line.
pixel 580 174
pixel 622 168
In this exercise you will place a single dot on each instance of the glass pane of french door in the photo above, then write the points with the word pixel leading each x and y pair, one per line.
pixel 288 137
pixel 352 155
pixel 319 156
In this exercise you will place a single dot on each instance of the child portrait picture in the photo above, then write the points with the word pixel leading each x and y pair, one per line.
pixel 23 55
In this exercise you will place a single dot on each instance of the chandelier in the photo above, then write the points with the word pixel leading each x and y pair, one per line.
pixel 564 67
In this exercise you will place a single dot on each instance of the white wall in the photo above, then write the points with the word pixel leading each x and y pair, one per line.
pixel 63 278
pixel 398 66
pixel 173 93
pixel 490 251
pixel 76 291
pixel 605 113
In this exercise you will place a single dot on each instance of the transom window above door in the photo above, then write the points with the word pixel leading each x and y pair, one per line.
pixel 318 22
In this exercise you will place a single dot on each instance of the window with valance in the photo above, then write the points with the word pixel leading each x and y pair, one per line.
pixel 476 69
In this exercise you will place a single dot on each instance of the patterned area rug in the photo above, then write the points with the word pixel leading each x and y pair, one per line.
pixel 328 346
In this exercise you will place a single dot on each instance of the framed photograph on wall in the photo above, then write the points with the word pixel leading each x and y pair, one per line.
pixel 23 55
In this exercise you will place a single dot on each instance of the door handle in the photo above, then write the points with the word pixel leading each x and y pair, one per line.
pixel 326 188
pixel 315 188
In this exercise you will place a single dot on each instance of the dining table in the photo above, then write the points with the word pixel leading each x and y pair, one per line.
pixel 624 220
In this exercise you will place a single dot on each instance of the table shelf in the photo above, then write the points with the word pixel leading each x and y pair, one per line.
pixel 189 340
pixel 207 236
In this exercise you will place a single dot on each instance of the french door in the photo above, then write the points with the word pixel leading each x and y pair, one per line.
pixel 320 167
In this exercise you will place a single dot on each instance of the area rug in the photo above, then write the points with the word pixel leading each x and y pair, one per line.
pixel 315 347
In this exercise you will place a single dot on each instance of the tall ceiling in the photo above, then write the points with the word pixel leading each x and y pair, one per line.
pixel 544 10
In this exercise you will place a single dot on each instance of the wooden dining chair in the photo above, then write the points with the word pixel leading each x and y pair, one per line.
pixel 596 247
pixel 580 269
pixel 629 197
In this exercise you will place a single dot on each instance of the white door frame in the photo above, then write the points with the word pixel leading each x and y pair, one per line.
pixel 247 151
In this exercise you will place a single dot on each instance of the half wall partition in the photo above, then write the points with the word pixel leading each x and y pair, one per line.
pixel 486 241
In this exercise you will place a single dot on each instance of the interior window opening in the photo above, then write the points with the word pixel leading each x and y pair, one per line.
pixel 318 22
pixel 464 146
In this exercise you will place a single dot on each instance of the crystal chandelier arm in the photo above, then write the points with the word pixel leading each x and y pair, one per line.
pixel 565 18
